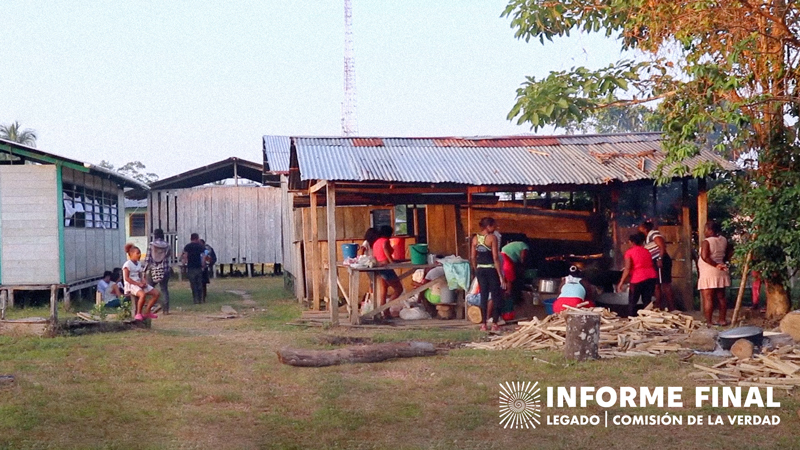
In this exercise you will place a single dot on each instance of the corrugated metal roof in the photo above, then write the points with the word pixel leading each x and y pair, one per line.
pixel 511 160
pixel 276 153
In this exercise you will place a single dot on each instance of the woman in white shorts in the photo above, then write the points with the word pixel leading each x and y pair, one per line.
pixel 136 286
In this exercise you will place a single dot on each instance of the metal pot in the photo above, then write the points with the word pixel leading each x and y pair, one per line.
pixel 752 334
pixel 548 286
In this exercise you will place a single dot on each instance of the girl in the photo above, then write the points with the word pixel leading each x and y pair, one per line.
pixel 486 263
pixel 370 236
pixel 135 285
pixel 713 273
pixel 382 251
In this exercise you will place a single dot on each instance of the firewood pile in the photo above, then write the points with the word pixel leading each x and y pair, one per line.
pixel 779 369
pixel 650 333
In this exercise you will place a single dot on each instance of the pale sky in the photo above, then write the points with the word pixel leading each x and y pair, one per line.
pixel 180 84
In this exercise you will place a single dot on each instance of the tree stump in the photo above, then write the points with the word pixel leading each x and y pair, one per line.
pixel 583 335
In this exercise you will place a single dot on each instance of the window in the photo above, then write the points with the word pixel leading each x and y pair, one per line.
pixel 403 226
pixel 138 225
pixel 381 217
pixel 89 208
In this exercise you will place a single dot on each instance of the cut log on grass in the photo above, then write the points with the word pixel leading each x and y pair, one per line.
pixel 356 354
pixel 583 335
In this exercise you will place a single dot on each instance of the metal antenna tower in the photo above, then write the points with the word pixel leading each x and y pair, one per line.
pixel 349 120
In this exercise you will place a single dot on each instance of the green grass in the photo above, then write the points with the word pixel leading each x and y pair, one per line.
pixel 192 382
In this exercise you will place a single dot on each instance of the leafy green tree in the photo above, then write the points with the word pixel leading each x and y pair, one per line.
pixel 134 170
pixel 723 74
pixel 619 119
pixel 14 133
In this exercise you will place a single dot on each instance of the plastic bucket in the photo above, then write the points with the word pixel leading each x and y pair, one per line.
pixel 398 248
pixel 349 250
pixel 419 254
pixel 548 305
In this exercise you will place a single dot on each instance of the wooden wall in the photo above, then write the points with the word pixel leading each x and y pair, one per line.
pixel 29 225
pixel 238 221
pixel 88 252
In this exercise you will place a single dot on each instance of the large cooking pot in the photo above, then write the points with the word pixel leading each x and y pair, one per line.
pixel 752 334
pixel 548 286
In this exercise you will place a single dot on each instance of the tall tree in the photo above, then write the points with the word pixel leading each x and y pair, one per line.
pixel 134 170
pixel 14 133
pixel 724 74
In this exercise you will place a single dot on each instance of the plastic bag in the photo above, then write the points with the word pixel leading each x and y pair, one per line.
pixel 414 314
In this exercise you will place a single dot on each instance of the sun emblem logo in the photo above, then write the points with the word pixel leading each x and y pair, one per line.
pixel 520 405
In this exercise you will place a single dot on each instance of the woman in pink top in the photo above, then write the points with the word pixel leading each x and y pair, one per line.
pixel 382 252
pixel 639 266
pixel 713 276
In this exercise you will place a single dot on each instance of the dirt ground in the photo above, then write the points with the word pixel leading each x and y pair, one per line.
pixel 198 382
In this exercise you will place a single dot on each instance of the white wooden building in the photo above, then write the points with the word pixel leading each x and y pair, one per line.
pixel 60 220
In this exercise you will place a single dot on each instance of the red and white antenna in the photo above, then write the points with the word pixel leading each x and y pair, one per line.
pixel 349 121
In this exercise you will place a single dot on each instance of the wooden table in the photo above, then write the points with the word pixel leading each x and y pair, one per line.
pixel 405 269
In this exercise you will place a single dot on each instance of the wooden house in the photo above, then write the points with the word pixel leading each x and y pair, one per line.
pixel 241 221
pixel 562 192
pixel 60 221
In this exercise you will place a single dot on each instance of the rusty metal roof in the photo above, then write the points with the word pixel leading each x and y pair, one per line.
pixel 508 160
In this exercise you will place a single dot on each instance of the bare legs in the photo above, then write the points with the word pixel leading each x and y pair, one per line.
pixel 712 298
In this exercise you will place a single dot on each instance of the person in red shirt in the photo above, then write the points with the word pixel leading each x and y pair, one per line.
pixel 643 276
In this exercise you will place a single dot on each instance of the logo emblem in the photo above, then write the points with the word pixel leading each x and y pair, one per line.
pixel 520 405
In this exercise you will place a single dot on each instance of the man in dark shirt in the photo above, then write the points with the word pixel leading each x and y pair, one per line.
pixel 193 258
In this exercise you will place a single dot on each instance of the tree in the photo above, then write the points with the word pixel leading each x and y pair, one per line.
pixel 134 170
pixel 14 133
pixel 619 119
pixel 723 74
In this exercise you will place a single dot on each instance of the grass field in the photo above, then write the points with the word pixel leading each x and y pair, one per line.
pixel 191 382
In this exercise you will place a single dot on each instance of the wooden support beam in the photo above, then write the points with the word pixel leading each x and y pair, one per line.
pixel 3 303
pixel 702 210
pixel 615 237
pixel 686 290
pixel 319 185
pixel 54 304
pixel 333 273
pixel 67 299
pixel 315 260
pixel 355 318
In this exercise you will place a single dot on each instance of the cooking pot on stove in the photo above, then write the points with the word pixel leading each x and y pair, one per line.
pixel 548 285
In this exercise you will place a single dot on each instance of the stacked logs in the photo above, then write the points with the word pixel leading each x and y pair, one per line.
pixel 648 334
pixel 779 369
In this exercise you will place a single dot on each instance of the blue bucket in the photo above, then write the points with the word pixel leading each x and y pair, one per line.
pixel 548 305
pixel 349 250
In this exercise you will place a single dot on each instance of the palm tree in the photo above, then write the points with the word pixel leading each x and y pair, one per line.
pixel 12 133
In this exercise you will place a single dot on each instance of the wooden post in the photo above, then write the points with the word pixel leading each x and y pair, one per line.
pixel 333 272
pixel 583 336
pixel 315 262
pixel 54 304
pixel 686 289
pixel 742 284
pixel 469 218
pixel 3 303
pixel 615 237
pixel 67 299
pixel 355 318
pixel 11 298
pixel 702 210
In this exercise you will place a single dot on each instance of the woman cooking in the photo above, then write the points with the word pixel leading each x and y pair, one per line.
pixel 713 273
pixel 574 290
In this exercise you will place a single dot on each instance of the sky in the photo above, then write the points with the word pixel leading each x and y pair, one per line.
pixel 181 84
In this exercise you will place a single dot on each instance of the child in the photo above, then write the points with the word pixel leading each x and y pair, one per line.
pixel 370 237
pixel 134 284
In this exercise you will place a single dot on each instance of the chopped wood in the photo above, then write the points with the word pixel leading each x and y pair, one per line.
pixel 772 369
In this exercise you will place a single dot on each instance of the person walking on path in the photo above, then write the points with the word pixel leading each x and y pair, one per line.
pixel 157 265
pixel 714 277
pixel 486 262
pixel 639 267
pixel 193 258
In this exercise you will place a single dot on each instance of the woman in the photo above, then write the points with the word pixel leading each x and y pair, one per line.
pixel 714 277
pixel 643 276
pixel 574 291
pixel 370 236
pixel 157 264
pixel 486 262
pixel 382 252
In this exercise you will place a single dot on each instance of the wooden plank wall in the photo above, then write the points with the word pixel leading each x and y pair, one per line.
pixel 238 221
pixel 442 226
pixel 88 252
pixel 29 225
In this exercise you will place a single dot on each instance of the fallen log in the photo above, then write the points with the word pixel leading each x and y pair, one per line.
pixel 355 354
